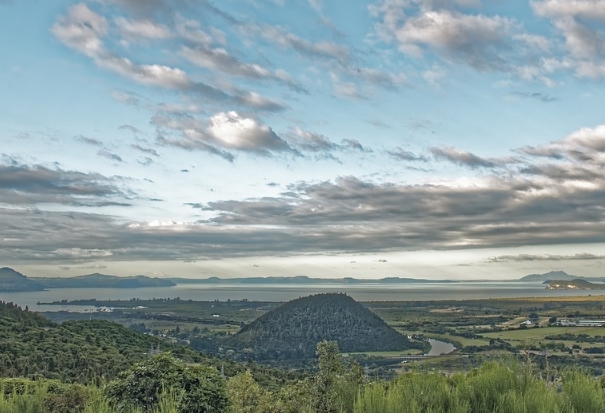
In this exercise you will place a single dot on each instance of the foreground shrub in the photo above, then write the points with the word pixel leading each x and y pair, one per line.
pixel 494 388
pixel 196 389
pixel 56 397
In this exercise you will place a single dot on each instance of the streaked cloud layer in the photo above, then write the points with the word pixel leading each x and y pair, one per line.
pixel 468 132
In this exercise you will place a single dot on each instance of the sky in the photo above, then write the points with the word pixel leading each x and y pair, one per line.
pixel 440 139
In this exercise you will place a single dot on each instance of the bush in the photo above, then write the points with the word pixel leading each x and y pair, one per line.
pixel 197 389
pixel 56 397
pixel 495 387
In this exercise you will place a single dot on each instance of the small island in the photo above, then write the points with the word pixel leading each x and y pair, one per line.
pixel 574 285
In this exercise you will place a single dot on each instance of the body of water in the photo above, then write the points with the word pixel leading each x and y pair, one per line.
pixel 440 347
pixel 280 292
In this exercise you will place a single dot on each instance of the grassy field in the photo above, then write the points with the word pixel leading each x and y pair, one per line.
pixel 537 334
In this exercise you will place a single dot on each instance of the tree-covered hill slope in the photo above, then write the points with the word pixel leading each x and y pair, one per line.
pixel 294 329
pixel 31 346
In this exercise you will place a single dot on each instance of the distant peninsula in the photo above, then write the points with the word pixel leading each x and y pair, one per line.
pixel 14 281
pixel 558 276
pixel 574 285
pixel 303 279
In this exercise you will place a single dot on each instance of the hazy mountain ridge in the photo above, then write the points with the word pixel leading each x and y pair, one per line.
pixel 97 280
pixel 14 281
pixel 11 280
pixel 303 279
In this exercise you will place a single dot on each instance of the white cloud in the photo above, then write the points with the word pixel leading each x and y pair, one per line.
pixel 581 24
pixel 534 41
pixel 545 257
pixel 191 31
pixel 433 4
pixel 588 9
pixel 324 49
pixel 468 37
pixel 257 101
pixel 156 75
pixel 434 75
pixel 312 142
pixel 219 60
pixel 583 143
pixel 589 138
pixel 465 158
pixel 445 29
pixel 79 253
pixel 232 130
pixel 137 29
pixel 222 133
pixel 345 89
pixel 83 30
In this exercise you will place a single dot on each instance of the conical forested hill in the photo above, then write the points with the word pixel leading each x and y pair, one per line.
pixel 294 329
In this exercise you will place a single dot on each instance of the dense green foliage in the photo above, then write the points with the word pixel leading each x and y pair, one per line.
pixel 495 387
pixel 503 387
pixel 197 388
pixel 55 396
pixel 11 315
pixel 294 329
pixel 89 351
pixel 84 351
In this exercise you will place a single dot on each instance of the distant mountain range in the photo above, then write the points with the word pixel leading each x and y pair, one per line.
pixel 97 280
pixel 11 280
pixel 303 279
pixel 559 276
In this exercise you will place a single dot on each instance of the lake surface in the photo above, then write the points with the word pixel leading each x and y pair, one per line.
pixel 281 292
pixel 440 347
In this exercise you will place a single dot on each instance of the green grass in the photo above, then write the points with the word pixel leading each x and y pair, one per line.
pixel 538 334
pixel 495 387
pixel 462 340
